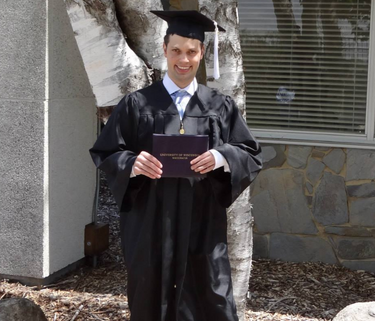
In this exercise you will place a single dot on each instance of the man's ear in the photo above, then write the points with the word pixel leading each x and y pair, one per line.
pixel 203 51
pixel 165 49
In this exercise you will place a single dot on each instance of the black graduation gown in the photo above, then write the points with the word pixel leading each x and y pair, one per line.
pixel 174 230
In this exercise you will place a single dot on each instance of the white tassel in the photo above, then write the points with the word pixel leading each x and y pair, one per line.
pixel 216 53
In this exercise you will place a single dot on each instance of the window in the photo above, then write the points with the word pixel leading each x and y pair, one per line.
pixel 307 68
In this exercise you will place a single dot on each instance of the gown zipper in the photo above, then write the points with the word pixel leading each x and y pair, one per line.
pixel 182 130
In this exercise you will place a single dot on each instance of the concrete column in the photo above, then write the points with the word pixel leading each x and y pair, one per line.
pixel 47 125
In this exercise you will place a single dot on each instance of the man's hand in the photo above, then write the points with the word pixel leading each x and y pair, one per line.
pixel 148 165
pixel 203 163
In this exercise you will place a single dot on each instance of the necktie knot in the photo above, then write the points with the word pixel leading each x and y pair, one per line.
pixel 178 95
pixel 178 99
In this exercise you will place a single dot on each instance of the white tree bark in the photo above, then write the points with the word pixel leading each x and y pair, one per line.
pixel 232 79
pixel 112 67
pixel 144 31
pixel 232 82
pixel 240 242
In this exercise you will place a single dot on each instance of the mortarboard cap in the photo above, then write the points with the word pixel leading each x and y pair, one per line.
pixel 192 24
pixel 189 24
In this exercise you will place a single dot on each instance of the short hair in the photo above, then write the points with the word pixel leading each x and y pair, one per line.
pixel 166 40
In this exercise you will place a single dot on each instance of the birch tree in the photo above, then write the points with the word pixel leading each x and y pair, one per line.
pixel 144 32
pixel 112 67
pixel 129 64
pixel 232 82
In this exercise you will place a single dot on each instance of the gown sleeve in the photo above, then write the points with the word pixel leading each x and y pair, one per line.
pixel 114 152
pixel 242 152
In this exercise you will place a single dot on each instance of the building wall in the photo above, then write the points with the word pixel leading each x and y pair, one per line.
pixel 22 96
pixel 72 132
pixel 47 124
pixel 316 204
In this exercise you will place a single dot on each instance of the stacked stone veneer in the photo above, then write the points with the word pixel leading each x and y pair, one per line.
pixel 316 204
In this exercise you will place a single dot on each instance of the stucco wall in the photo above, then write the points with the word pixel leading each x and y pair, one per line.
pixel 316 204
pixel 47 124
pixel 72 131
pixel 22 95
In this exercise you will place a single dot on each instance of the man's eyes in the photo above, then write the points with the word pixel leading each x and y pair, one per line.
pixel 190 52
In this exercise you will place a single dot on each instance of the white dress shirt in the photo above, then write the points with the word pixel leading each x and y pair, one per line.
pixel 171 87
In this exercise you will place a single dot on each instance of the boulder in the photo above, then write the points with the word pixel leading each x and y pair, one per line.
pixel 20 310
pixel 364 311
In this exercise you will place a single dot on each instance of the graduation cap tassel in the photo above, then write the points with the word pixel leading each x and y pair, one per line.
pixel 216 52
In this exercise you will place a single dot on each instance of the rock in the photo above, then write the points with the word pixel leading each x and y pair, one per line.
pixel 335 160
pixel 301 249
pixel 355 248
pixel 297 156
pixel 368 266
pixel 363 190
pixel 20 310
pixel 363 311
pixel 324 149
pixel 362 212
pixel 309 187
pixel 268 153
pixel 349 231
pixel 314 170
pixel 317 154
pixel 280 204
pixel 274 155
pixel 330 201
pixel 360 164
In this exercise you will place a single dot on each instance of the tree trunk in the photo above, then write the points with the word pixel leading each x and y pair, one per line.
pixel 112 67
pixel 232 82
pixel 184 5
pixel 240 241
pixel 144 31
pixel 232 79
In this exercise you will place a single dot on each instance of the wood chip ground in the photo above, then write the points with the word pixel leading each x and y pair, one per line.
pixel 278 290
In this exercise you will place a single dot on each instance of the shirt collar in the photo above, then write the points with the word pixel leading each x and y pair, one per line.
pixel 171 87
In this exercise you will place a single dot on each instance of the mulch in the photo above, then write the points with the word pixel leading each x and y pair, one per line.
pixel 278 290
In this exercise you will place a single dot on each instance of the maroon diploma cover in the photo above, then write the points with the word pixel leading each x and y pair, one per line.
pixel 176 151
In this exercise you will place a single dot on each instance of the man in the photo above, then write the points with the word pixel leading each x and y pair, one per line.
pixel 173 230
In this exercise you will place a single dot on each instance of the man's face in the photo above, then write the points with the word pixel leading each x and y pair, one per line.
pixel 183 58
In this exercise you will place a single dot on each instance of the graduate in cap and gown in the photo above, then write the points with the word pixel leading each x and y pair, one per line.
pixel 174 230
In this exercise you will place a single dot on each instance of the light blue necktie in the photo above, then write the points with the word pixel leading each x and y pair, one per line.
pixel 177 97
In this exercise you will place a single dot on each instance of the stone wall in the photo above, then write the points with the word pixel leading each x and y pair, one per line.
pixel 316 204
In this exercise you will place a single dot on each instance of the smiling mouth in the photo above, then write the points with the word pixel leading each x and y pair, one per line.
pixel 183 69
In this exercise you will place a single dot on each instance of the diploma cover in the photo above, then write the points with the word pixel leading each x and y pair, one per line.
pixel 176 151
